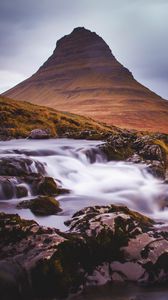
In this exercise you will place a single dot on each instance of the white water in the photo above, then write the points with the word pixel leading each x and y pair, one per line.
pixel 79 167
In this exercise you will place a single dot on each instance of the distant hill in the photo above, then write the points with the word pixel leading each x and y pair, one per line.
pixel 83 76
pixel 17 119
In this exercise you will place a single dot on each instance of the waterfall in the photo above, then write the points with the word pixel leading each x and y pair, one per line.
pixel 82 168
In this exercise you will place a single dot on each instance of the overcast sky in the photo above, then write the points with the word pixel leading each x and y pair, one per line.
pixel 135 30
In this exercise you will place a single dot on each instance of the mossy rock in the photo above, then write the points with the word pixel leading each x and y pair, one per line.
pixel 13 228
pixel 48 187
pixel 42 205
pixel 21 191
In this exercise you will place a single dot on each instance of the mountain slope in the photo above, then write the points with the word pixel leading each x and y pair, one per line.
pixel 82 76
pixel 17 119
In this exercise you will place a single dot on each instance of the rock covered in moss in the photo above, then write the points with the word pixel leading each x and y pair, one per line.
pixel 92 220
pixel 151 150
pixel 42 205
pixel 44 185
pixel 21 191
pixel 47 186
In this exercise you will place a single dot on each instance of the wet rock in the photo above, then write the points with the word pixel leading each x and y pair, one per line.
pixel 41 205
pixel 39 134
pixel 47 186
pixel 21 191
pixel 93 220
pixel 7 187
pixel 19 166
pixel 117 147
pixel 151 150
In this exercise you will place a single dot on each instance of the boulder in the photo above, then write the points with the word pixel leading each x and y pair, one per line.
pixel 7 187
pixel 39 134
pixel 19 166
pixel 47 186
pixel 126 246
pixel 42 205
pixel 21 191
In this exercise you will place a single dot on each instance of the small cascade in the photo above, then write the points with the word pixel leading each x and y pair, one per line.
pixel 11 187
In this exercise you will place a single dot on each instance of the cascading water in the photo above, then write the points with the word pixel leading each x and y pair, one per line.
pixel 81 167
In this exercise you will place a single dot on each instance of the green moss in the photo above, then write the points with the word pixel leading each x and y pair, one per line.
pixel 48 187
pixel 117 153
pixel 42 205
pixel 139 218
pixel 13 228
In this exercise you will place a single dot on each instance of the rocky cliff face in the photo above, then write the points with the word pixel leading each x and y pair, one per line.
pixel 83 76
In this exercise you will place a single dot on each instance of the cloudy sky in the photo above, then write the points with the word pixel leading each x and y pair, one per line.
pixel 135 30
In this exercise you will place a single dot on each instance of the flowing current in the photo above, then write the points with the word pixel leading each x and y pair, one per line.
pixel 80 167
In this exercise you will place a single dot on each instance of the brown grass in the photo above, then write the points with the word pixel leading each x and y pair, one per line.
pixel 18 118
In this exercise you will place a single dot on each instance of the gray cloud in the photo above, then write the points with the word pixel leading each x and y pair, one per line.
pixel 136 31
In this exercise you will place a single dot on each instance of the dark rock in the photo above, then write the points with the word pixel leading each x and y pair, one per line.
pixel 87 134
pixel 146 149
pixel 42 205
pixel 39 134
pixel 7 187
pixel 105 244
pixel 131 247
pixel 30 254
pixel 117 147
pixel 19 166
pixel 13 282
pixel 21 191
pixel 47 186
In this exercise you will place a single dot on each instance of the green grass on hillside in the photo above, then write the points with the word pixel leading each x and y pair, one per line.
pixel 18 118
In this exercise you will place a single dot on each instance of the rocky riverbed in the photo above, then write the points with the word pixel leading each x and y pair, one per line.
pixel 101 209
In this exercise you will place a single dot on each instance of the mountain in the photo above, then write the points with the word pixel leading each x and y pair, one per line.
pixel 83 76
pixel 18 118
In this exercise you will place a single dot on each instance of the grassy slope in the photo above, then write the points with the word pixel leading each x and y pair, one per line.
pixel 18 118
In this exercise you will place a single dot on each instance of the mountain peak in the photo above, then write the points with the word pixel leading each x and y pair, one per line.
pixel 82 46
pixel 81 36
pixel 83 76
pixel 80 29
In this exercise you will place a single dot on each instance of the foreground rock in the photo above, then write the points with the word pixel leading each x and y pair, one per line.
pixel 104 244
pixel 42 205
